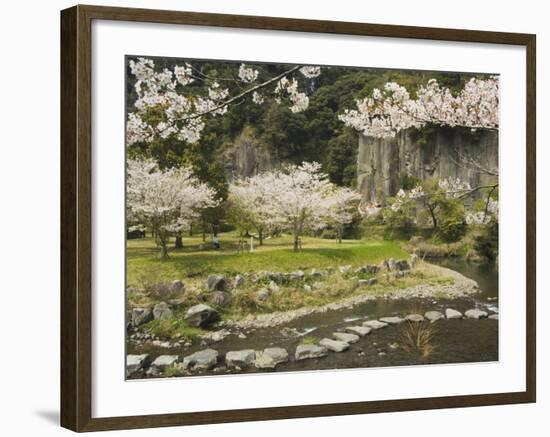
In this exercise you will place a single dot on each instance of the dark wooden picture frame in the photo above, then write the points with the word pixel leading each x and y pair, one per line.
pixel 76 217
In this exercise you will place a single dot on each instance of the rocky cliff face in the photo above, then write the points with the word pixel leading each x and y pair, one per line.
pixel 382 162
pixel 246 157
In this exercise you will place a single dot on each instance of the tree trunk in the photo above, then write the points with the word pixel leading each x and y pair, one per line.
pixel 296 242
pixel 191 230
pixel 260 236
pixel 179 241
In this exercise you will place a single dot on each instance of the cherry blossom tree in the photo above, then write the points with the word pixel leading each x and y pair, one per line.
pixel 342 208
pixel 392 109
pixel 168 106
pixel 166 200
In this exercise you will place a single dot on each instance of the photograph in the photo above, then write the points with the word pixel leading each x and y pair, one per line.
pixel 293 217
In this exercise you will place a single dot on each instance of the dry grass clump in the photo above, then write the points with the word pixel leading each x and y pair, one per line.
pixel 417 338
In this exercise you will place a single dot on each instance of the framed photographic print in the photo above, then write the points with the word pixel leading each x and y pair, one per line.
pixel 289 218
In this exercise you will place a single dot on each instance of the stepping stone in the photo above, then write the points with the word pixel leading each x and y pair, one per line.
pixel 243 358
pixel 475 314
pixel 415 318
pixel 205 359
pixel 334 345
pixel 270 357
pixel 135 363
pixel 164 361
pixel 434 316
pixel 306 351
pixel 348 338
pixel 361 331
pixel 493 317
pixel 392 320
pixel 375 324
pixel 453 314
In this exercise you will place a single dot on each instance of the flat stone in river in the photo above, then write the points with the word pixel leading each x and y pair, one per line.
pixel 305 351
pixel 205 359
pixel 243 358
pixel 270 357
pixel 392 320
pixel 434 316
pixel 334 345
pixel 453 314
pixel 415 318
pixel 375 324
pixel 348 338
pixel 475 314
pixel 358 330
pixel 164 361
pixel 135 363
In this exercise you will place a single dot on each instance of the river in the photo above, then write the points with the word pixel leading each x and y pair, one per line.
pixel 454 341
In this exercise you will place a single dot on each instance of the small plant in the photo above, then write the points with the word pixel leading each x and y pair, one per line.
pixel 173 328
pixel 417 338
pixel 310 340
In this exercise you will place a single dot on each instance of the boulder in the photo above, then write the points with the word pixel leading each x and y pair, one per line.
pixel 217 282
pixel 316 274
pixel 434 316
pixel 221 299
pixel 363 282
pixel 493 317
pixel 390 264
pixel 402 265
pixel 394 320
pixel 298 275
pixel 162 311
pixel 276 277
pixel 263 294
pixel 344 269
pixel 135 363
pixel 270 357
pixel 177 286
pixel 141 316
pixel 273 287
pixel 453 314
pixel 334 345
pixel 205 359
pixel 306 351
pixel 414 318
pixel 201 315
pixel 239 281
pixel 346 337
pixel 475 314
pixel 163 361
pixel 358 330
pixel 374 324
pixel 242 358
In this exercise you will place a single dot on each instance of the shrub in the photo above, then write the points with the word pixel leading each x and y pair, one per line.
pixel 486 243
pixel 451 226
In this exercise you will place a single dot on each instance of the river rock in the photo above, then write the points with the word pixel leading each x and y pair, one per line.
pixel 177 286
pixel 270 357
pixel 201 315
pixel 434 316
pixel 306 351
pixel 141 316
pixel 344 269
pixel 375 324
pixel 273 287
pixel 402 265
pixel 316 274
pixel 205 359
pixel 414 318
pixel 475 314
pixel 263 294
pixel 390 264
pixel 358 330
pixel 221 299
pixel 394 320
pixel 493 317
pixel 163 361
pixel 162 311
pixel 453 314
pixel 334 345
pixel 135 363
pixel 217 282
pixel 239 281
pixel 346 337
pixel 298 275
pixel 242 358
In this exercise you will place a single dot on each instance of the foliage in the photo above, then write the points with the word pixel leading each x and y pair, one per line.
pixel 486 243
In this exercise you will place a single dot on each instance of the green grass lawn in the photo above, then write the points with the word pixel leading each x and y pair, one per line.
pixel 275 255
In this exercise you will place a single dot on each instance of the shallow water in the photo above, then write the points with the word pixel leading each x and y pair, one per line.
pixel 454 341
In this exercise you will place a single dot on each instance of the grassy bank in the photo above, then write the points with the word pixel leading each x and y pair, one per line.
pixel 143 266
